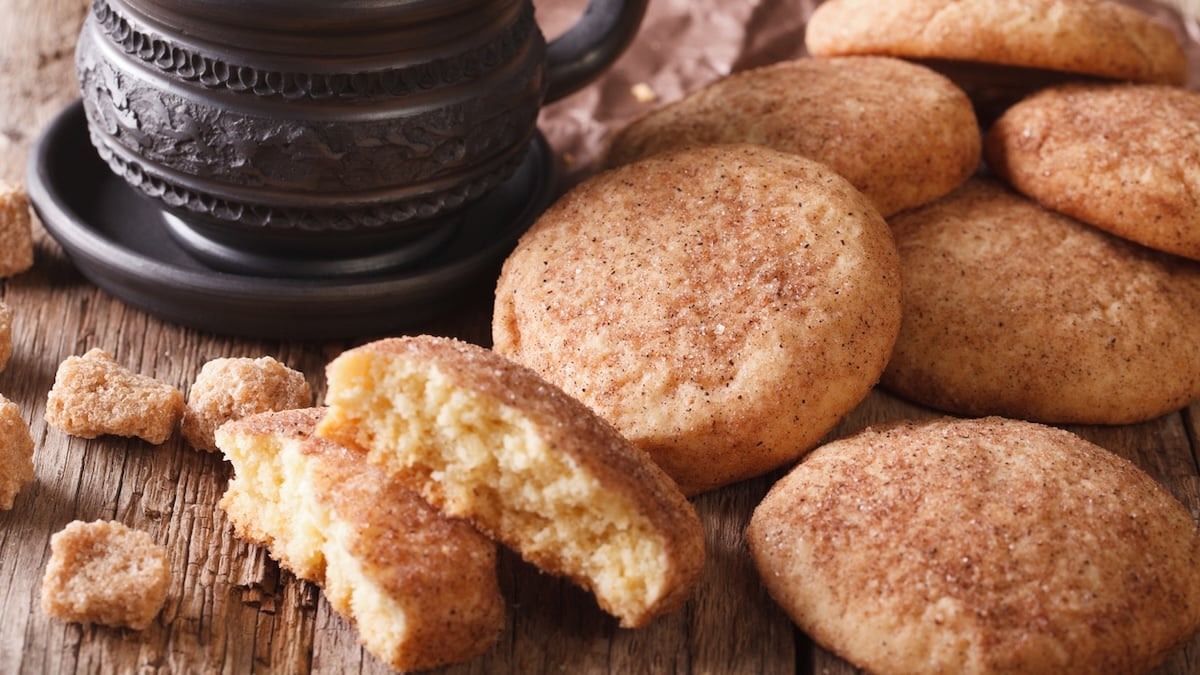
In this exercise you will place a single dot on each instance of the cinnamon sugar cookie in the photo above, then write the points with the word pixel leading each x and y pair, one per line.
pixel 1125 158
pixel 1011 309
pixel 421 588
pixel 899 132
pixel 724 307
pixel 980 546
pixel 487 440
pixel 1097 38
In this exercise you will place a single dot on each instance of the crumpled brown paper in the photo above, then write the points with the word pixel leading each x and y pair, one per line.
pixel 683 45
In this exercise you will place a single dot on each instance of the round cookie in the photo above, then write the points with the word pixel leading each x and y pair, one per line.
pixel 899 132
pixel 724 306
pixel 1086 37
pixel 979 546
pixel 1121 157
pixel 1011 309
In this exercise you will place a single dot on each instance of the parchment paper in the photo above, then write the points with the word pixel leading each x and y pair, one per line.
pixel 685 44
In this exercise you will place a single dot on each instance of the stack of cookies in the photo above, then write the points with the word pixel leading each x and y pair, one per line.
pixel 1061 284
pixel 986 207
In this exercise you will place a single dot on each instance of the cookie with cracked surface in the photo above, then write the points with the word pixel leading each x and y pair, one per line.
pixel 1123 158
pixel 1015 310
pixel 421 588
pixel 980 546
pixel 724 306
pixel 485 439
pixel 1098 38
pixel 899 132
pixel 1000 51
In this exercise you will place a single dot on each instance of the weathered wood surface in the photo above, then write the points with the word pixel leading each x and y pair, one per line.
pixel 230 609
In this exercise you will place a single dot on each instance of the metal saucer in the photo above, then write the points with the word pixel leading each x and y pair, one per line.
pixel 120 241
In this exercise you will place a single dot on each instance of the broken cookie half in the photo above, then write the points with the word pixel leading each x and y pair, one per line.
pixel 485 439
pixel 420 587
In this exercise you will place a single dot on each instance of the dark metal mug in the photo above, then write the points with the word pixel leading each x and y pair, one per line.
pixel 277 130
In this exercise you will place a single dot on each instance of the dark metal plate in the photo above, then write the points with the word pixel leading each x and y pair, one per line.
pixel 120 241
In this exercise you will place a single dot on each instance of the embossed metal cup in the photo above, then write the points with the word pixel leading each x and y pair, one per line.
pixel 313 137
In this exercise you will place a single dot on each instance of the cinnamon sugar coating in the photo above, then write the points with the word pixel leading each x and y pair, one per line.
pixel 1124 158
pixel 899 132
pixel 979 546
pixel 723 307
pixel 1014 310
pixel 420 587
pixel 485 439
pixel 1097 38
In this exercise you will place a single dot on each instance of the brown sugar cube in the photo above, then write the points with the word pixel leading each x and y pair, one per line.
pixel 16 453
pixel 107 573
pixel 94 395
pixel 6 345
pixel 233 388
pixel 16 237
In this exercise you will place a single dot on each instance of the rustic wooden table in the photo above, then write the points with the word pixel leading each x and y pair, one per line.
pixel 230 609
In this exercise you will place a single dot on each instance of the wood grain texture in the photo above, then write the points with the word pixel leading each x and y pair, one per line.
pixel 230 609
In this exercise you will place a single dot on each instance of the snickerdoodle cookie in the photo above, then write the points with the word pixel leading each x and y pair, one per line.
pixel 1097 38
pixel 1015 310
pixel 485 439
pixel 421 588
pixel 980 546
pixel 899 132
pixel 1125 158
pixel 723 306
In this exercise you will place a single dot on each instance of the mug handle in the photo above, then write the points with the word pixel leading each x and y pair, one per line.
pixel 581 54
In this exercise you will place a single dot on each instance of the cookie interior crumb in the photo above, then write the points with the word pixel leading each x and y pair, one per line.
pixel 421 588
pixel 476 456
